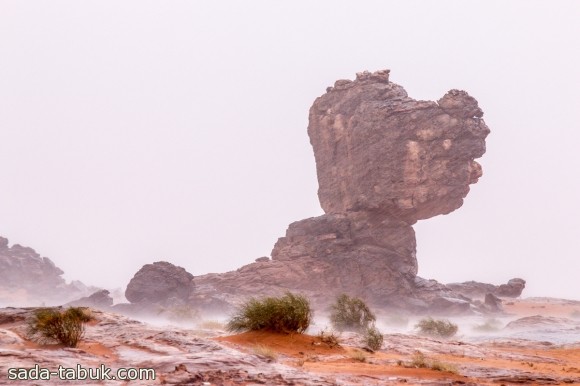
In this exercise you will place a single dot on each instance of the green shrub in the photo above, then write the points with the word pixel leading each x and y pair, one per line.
pixel 437 328
pixel 289 313
pixel 51 325
pixel 373 338
pixel 351 314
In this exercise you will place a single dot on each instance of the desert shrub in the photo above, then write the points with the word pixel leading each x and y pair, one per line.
pixel 373 338
pixel 84 314
pixel 419 361
pixel 265 352
pixel 51 325
pixel 330 338
pixel 288 313
pixel 358 356
pixel 443 366
pixel 437 328
pixel 351 314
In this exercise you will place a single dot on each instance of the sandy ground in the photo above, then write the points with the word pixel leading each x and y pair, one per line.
pixel 184 356
pixel 494 362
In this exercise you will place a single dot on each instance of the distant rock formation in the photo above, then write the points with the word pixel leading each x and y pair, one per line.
pixel 100 300
pixel 22 267
pixel 160 283
pixel 384 161
pixel 477 290
pixel 26 278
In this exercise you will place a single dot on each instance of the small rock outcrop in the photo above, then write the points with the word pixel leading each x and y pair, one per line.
pixel 160 283
pixel 476 290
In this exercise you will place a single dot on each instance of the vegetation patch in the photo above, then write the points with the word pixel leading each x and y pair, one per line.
pixel 358 356
pixel 288 313
pixel 373 338
pixel 420 361
pixel 265 352
pixel 330 338
pixel 437 328
pixel 351 314
pixel 52 325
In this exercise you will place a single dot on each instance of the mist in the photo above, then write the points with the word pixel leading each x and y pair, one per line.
pixel 135 132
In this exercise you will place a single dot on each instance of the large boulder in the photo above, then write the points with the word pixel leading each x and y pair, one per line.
pixel 160 283
pixel 380 151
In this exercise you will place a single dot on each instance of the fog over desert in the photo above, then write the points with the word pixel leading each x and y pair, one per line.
pixel 191 189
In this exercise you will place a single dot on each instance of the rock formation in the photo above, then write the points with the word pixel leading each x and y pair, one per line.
pixel 512 289
pixel 384 161
pixel 26 278
pixel 100 300
pixel 159 283
pixel 379 151
pixel 22 267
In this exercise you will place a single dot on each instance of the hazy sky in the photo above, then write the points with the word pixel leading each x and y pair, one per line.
pixel 138 131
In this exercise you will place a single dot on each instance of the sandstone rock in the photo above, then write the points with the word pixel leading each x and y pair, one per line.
pixel 512 289
pixel 378 150
pixel 493 303
pixel 159 283
pixel 27 277
pixel 383 161
pixel 477 290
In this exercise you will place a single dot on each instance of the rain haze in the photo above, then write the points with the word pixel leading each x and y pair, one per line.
pixel 139 131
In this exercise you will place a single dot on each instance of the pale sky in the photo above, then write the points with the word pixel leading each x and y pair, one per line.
pixel 138 131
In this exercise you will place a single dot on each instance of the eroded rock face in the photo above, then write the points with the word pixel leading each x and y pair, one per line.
pixel 159 283
pixel 378 150
pixel 26 277
pixel 22 267
pixel 384 161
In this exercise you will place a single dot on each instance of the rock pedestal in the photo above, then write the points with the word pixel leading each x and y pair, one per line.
pixel 383 161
